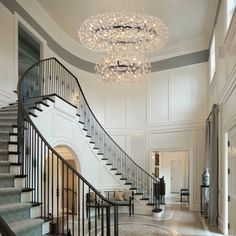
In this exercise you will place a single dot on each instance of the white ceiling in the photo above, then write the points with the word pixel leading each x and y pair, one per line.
pixel 189 21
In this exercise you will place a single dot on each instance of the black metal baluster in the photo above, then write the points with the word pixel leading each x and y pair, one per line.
pixel 62 191
pixel 67 199
pixel 44 178
pixel 89 211
pixel 83 208
pixel 73 207
pixel 52 185
pixel 102 218
pixel 37 164
pixel 48 179
pixel 57 194
pixel 34 164
pixel 78 200
pixel 41 176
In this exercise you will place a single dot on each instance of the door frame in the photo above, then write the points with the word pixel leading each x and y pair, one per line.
pixel 19 21
pixel 190 167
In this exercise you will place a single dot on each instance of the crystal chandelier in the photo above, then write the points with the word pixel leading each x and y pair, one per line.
pixel 123 67
pixel 123 37
pixel 123 31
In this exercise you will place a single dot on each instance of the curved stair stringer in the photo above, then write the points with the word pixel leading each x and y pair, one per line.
pixel 92 167
pixel 64 113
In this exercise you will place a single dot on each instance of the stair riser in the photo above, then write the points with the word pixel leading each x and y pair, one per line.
pixel 16 215
pixel 15 170
pixel 4 136
pixel 10 197
pixel 26 197
pixel 45 228
pixel 6 182
pixel 12 158
pixel 4 144
pixel 12 148
pixel 35 212
pixel 13 138
pixel 4 157
pixel 4 168
pixel 19 182
pixel 37 230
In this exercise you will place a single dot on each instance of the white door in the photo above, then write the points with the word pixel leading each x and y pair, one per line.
pixel 232 183
pixel 176 176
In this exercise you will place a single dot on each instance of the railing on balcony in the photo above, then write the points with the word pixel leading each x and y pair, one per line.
pixel 43 166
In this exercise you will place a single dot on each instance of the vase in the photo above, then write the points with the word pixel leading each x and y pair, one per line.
pixel 206 177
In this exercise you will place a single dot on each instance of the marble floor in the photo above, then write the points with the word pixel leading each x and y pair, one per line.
pixel 176 220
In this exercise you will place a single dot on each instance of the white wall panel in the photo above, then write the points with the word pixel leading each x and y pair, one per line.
pixel 138 148
pixel 200 91
pixel 171 139
pixel 8 55
pixel 200 156
pixel 137 103
pixel 115 105
pixel 181 94
pixel 120 139
pixel 159 97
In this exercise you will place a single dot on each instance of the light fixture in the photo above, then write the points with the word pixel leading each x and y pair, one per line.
pixel 123 67
pixel 123 31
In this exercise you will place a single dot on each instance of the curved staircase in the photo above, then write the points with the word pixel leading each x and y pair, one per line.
pixel 16 207
pixel 28 164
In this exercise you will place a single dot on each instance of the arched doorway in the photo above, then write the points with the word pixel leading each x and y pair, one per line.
pixel 71 188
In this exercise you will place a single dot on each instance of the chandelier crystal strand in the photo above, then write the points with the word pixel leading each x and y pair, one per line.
pixel 123 31
pixel 123 67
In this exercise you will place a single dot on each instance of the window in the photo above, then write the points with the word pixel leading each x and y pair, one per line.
pixel 230 11
pixel 212 58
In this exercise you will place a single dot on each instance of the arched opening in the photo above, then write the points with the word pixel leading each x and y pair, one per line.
pixel 70 188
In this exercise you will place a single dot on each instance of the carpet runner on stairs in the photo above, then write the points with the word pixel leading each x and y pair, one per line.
pixel 14 212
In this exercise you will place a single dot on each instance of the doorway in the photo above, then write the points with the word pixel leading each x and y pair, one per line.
pixel 28 50
pixel 174 166
pixel 71 192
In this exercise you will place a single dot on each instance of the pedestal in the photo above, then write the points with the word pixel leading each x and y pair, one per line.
pixel 204 200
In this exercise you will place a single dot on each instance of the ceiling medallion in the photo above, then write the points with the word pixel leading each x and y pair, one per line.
pixel 119 34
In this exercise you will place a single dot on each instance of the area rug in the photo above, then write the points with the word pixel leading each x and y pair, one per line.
pixel 134 229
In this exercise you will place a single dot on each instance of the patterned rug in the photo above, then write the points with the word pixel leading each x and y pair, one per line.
pixel 134 229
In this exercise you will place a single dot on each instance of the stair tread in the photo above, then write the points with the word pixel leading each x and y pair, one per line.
pixel 5 163
pixel 11 190
pixel 22 225
pixel 6 175
pixel 14 206
pixel 4 132
pixel 3 151
pixel 9 118
pixel 7 124
pixel 4 140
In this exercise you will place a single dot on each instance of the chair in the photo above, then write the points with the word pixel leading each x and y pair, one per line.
pixel 184 192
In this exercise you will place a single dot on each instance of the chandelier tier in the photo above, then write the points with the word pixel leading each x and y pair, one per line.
pixel 123 67
pixel 123 31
